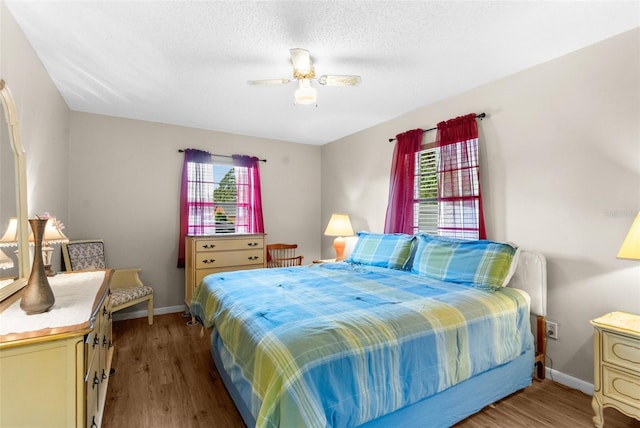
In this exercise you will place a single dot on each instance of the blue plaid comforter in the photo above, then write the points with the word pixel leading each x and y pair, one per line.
pixel 337 345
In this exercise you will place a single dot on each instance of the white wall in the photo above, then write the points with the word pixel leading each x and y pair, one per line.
pixel 124 186
pixel 560 174
pixel 43 118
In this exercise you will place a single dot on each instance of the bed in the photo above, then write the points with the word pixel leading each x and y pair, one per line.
pixel 415 330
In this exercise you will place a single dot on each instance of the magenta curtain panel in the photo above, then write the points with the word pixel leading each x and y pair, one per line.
pixel 196 191
pixel 399 217
pixel 249 205
pixel 460 212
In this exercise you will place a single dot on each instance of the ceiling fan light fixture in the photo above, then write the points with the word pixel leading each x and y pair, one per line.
pixel 306 94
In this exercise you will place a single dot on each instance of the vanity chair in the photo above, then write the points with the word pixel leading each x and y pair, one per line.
pixel 126 287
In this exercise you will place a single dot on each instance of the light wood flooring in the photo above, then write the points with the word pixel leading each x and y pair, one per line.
pixel 165 377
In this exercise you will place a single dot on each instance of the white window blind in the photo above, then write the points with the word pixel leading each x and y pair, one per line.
pixel 425 210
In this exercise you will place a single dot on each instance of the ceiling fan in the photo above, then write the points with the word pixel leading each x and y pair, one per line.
pixel 304 73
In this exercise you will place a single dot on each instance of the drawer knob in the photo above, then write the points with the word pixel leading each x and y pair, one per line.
pixel 252 244
pixel 96 341
pixel 253 257
pixel 93 422
pixel 105 311
pixel 209 246
pixel 209 261
pixel 96 381
pixel 104 375
pixel 105 342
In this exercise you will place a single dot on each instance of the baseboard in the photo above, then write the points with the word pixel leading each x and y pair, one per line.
pixel 121 316
pixel 570 381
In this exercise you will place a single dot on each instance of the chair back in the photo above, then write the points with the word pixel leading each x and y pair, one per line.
pixel 84 255
pixel 283 255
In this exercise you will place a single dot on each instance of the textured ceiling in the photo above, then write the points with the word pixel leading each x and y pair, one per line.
pixel 187 63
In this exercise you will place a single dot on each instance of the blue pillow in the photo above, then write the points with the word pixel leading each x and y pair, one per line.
pixel 390 250
pixel 479 263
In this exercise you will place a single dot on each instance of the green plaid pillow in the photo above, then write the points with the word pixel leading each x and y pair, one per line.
pixel 385 250
pixel 482 264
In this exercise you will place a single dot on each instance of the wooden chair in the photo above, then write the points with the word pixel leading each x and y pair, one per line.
pixel 126 287
pixel 283 255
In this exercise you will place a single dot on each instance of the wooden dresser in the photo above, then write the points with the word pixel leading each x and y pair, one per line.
pixel 54 367
pixel 617 365
pixel 220 253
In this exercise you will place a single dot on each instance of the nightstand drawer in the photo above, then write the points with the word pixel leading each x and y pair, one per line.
pixel 621 386
pixel 621 351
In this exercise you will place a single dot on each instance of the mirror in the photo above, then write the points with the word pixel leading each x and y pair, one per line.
pixel 8 286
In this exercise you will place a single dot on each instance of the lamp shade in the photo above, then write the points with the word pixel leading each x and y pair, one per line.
pixel 631 246
pixel 10 237
pixel 52 233
pixel 339 225
pixel 5 261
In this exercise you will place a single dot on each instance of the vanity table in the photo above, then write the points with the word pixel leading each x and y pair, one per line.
pixel 54 366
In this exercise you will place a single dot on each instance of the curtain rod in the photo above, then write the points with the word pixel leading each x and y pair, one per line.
pixel 478 116
pixel 222 156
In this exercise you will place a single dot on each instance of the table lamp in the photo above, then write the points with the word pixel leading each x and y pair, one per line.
pixel 52 235
pixel 339 226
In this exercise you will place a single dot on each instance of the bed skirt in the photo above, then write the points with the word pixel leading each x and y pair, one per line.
pixel 441 410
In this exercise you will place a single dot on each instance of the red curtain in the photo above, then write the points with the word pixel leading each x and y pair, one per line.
pixel 399 218
pixel 460 212
pixel 201 158
pixel 249 205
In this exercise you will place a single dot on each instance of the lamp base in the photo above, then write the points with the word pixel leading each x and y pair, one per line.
pixel 338 245
pixel 48 271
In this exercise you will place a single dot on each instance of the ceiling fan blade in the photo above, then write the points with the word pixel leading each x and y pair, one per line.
pixel 336 80
pixel 267 82
pixel 301 60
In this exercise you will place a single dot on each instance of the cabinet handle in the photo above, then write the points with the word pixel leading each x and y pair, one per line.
pixel 252 244
pixel 105 342
pixel 208 261
pixel 96 341
pixel 93 422
pixel 209 246
pixel 104 311
pixel 96 381
pixel 104 375
pixel 253 257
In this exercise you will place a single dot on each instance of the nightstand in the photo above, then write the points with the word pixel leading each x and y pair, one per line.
pixel 616 365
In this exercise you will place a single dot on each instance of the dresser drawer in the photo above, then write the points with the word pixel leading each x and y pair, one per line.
pixel 201 273
pixel 213 259
pixel 621 351
pixel 229 244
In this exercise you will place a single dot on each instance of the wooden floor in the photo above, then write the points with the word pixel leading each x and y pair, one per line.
pixel 165 377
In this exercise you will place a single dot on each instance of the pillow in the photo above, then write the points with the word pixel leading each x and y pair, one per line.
pixel 386 250
pixel 480 263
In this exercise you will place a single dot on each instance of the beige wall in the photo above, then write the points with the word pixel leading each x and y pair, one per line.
pixel 43 120
pixel 560 158
pixel 125 181
pixel 560 175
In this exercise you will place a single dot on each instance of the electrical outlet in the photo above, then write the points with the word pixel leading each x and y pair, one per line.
pixel 552 330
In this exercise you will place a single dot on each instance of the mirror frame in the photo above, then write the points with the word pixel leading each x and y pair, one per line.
pixel 11 118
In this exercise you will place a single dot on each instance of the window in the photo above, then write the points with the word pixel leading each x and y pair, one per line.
pixel 212 198
pixel 457 214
